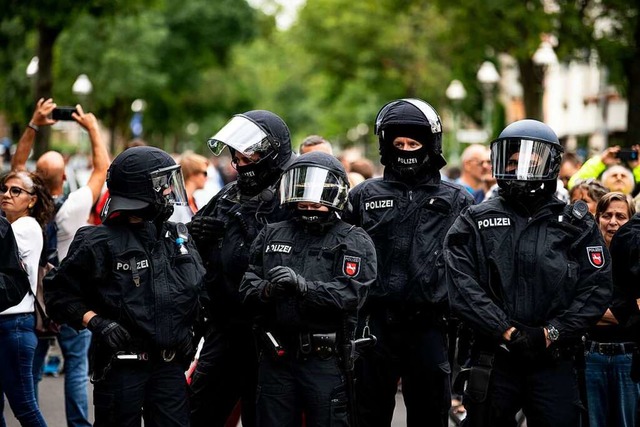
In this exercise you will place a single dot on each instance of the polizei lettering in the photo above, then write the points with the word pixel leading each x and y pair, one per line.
pixel 378 204
pixel 126 266
pixel 277 247
pixel 407 161
pixel 493 222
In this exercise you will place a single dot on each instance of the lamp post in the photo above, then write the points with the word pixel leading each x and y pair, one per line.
pixel 544 57
pixel 488 77
pixel 456 93
pixel 82 87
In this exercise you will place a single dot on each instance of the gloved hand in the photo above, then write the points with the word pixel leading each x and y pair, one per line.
pixel 206 228
pixel 272 290
pixel 289 278
pixel 110 332
pixel 527 340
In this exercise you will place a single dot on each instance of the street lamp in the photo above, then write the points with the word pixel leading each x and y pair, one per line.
pixel 82 86
pixel 544 57
pixel 32 68
pixel 456 93
pixel 488 77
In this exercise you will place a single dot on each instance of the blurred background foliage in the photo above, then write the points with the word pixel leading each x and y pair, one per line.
pixel 197 62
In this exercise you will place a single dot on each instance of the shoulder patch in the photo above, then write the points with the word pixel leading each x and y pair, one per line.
pixel 596 256
pixel 351 265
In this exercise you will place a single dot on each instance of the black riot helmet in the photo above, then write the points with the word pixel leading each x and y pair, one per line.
pixel 262 137
pixel 415 119
pixel 526 159
pixel 146 182
pixel 318 178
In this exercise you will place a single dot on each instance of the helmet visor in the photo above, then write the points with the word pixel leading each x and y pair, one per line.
pixel 521 159
pixel 168 185
pixel 314 185
pixel 242 135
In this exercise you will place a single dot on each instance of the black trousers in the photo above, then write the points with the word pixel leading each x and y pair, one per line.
pixel 545 389
pixel 291 386
pixel 131 390
pixel 226 372
pixel 415 354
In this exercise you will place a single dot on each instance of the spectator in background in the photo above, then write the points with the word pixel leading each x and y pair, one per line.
pixel 71 212
pixel 476 164
pixel 597 165
pixel 195 172
pixel 611 393
pixel 315 143
pixel 569 165
pixel 363 166
pixel 618 178
pixel 28 206
pixel 588 190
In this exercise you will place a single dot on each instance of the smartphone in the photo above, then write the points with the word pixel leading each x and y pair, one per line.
pixel 63 113
pixel 627 155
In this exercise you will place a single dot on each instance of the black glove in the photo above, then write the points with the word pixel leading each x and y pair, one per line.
pixel 526 340
pixel 290 279
pixel 272 290
pixel 110 332
pixel 206 228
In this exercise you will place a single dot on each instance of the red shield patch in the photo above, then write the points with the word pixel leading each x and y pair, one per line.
pixel 596 256
pixel 351 265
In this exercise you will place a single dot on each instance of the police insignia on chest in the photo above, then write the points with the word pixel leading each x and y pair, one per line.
pixel 351 265
pixel 378 204
pixel 278 247
pixel 596 256
pixel 493 222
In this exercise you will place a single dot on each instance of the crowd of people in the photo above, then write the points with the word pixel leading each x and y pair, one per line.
pixel 308 289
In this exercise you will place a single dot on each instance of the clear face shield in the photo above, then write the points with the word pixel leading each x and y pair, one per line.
pixel 244 136
pixel 168 185
pixel 518 159
pixel 313 185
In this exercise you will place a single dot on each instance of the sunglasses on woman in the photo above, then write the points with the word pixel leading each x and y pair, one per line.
pixel 13 191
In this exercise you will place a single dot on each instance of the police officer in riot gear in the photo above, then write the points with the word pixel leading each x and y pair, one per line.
pixel 407 214
pixel 224 229
pixel 137 282
pixel 307 278
pixel 530 275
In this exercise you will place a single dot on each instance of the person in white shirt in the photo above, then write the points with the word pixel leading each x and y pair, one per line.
pixel 73 212
pixel 27 205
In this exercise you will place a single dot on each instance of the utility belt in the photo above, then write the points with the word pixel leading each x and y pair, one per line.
pixel 300 346
pixel 422 316
pixel 101 361
pixel 149 356
pixel 610 348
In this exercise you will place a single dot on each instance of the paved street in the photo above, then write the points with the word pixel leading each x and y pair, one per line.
pixel 52 405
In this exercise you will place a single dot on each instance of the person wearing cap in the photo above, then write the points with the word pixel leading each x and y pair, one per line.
pixel 136 282
pixel 407 213
pixel 226 372
pixel 307 278
pixel 529 274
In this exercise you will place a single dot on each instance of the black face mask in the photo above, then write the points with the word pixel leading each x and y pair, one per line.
pixel 408 163
pixel 312 217
pixel 529 193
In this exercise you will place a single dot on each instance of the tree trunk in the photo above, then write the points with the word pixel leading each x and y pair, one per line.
pixel 531 78
pixel 632 69
pixel 47 37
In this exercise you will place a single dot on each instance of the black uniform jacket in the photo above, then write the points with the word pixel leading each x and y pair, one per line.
pixel 408 225
pixel 549 268
pixel 127 274
pixel 339 265
pixel 625 252
pixel 226 259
